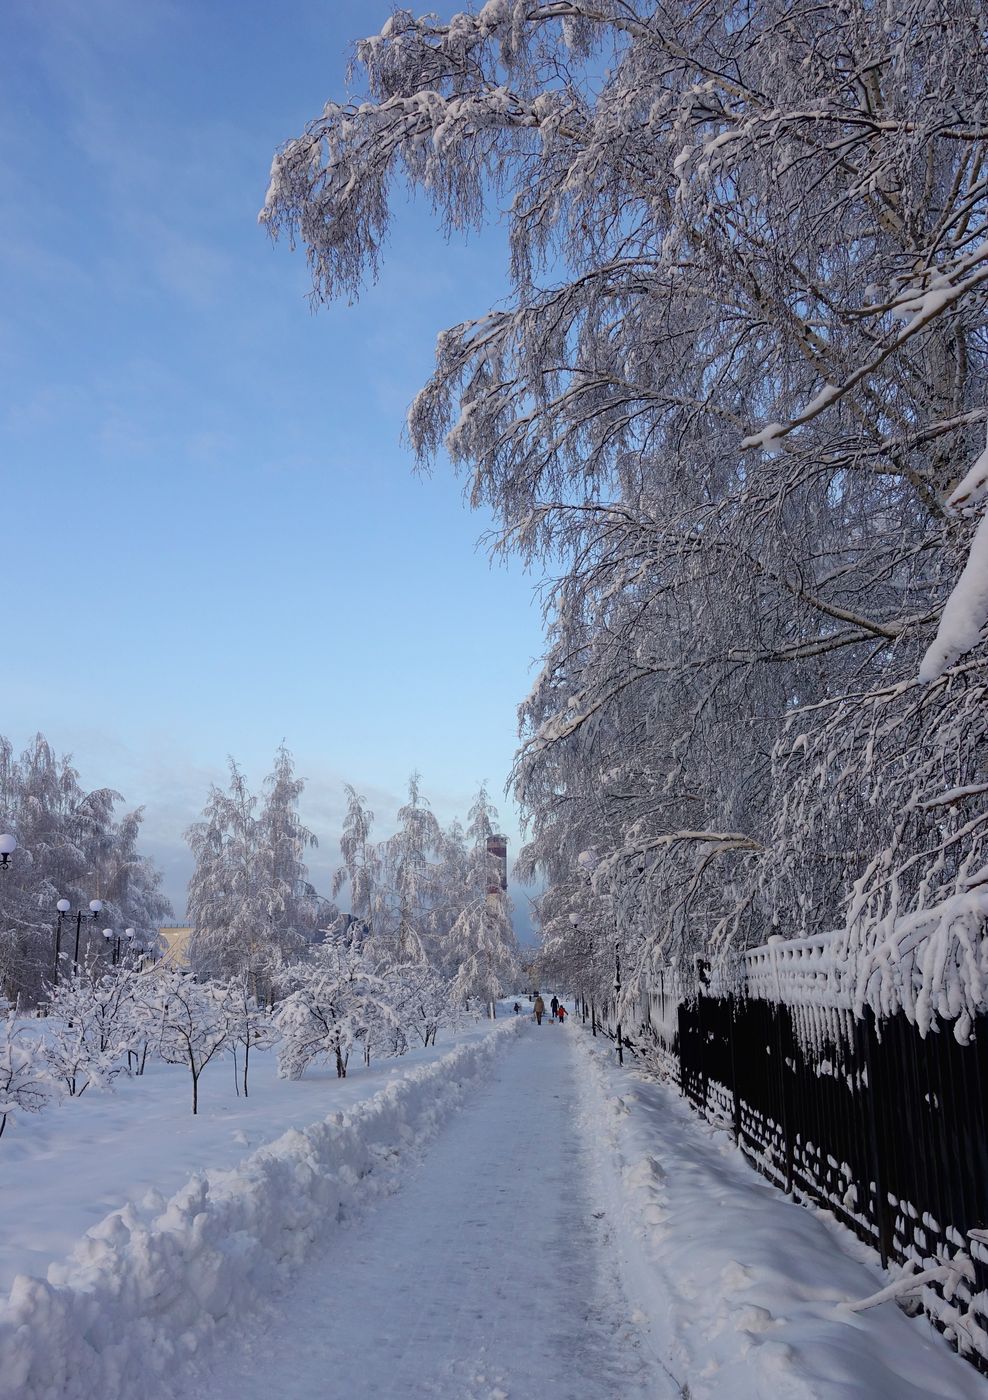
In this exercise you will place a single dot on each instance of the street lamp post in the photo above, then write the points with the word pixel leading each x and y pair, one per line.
pixel 133 943
pixel 8 845
pixel 95 905
pixel 63 906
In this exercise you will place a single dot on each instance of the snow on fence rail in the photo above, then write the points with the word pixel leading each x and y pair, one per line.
pixel 798 971
pixel 147 1285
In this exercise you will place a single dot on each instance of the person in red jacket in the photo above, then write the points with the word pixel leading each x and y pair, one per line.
pixel 562 1013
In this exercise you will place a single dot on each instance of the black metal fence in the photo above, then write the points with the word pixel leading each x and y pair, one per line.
pixel 884 1127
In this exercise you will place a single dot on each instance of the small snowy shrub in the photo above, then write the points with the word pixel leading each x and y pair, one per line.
pixel 25 1083
pixel 91 1026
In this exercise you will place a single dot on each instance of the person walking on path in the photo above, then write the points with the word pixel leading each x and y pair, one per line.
pixel 554 1006
pixel 539 1009
pixel 562 1013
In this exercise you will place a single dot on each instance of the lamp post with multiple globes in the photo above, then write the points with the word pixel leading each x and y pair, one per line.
pixel 133 944
pixel 64 907
pixel 8 845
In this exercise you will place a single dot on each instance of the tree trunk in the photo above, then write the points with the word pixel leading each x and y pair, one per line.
pixel 246 1062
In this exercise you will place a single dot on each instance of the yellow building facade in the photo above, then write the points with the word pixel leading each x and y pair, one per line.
pixel 175 938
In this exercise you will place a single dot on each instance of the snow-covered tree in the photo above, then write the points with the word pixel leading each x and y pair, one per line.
pixel 192 1027
pixel 146 1015
pixel 70 846
pixel 334 1000
pixel 455 885
pixel 487 950
pixel 361 866
pixel 25 1080
pixel 578 934
pixel 248 1025
pixel 737 397
pixel 480 949
pixel 250 903
pixel 409 862
pixel 424 1002
pixel 225 907
pixel 90 1027
pixel 294 906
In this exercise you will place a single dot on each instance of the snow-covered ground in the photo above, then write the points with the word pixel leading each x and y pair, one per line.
pixel 147 1283
pixel 508 1213
pixel 486 1277
pixel 63 1170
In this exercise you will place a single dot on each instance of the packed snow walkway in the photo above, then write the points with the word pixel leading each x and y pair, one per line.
pixel 487 1275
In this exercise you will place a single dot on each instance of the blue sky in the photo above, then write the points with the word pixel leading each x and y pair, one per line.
pixel 212 536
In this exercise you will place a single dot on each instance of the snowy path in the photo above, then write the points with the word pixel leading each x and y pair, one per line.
pixel 485 1276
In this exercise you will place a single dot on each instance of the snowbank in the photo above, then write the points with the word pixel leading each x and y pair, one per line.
pixel 66 1168
pixel 148 1286
pixel 742 1293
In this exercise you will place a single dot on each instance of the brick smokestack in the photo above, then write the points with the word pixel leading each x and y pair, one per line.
pixel 497 846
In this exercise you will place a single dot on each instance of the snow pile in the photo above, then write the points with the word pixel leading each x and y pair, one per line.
pixel 147 1286
pixel 741 1293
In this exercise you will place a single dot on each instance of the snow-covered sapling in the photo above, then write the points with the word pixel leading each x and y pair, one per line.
pixel 193 1025
pixel 247 1024
pixel 25 1083
pixel 90 1027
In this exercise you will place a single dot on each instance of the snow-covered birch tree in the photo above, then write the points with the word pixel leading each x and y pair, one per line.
pixel 250 902
pixel 480 948
pixel 737 397
pixel 409 862
pixel 72 846
pixel 361 867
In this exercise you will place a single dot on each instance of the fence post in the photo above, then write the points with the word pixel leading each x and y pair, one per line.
pixel 735 1094
pixel 867 1097
pixel 777 1009
pixel 682 1013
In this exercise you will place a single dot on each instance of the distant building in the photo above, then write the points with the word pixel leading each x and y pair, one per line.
pixel 175 941
pixel 497 846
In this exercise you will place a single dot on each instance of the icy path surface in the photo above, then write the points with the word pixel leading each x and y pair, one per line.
pixel 484 1277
